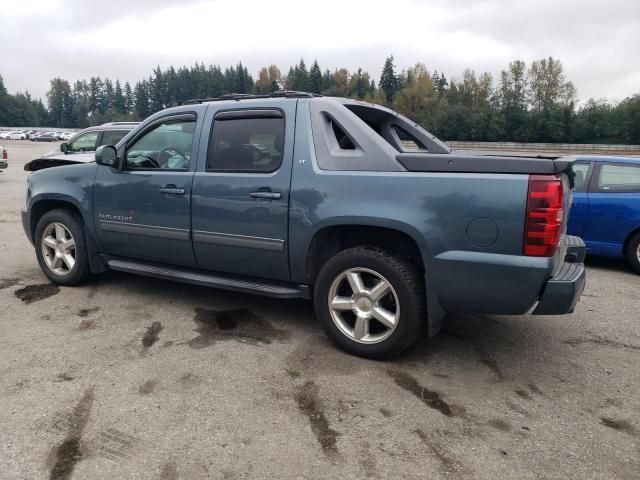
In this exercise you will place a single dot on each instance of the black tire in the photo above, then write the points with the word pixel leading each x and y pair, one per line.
pixel 405 280
pixel 74 224
pixel 633 252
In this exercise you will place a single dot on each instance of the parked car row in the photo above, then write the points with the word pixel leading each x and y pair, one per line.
pixel 35 134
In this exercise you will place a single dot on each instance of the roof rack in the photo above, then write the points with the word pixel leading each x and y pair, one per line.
pixel 248 96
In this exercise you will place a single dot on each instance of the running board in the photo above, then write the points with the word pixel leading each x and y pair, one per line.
pixel 226 282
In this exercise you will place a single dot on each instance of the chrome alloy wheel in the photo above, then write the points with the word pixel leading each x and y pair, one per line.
pixel 364 305
pixel 58 249
pixel 638 253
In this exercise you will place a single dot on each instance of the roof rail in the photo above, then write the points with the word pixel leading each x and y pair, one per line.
pixel 119 123
pixel 248 96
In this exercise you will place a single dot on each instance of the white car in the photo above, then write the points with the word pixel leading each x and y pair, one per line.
pixel 14 135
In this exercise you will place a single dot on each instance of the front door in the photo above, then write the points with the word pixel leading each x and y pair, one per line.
pixel 241 194
pixel 143 210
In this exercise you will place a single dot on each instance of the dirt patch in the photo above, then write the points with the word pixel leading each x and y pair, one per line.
pixel 239 324
pixel 499 424
pixel 64 377
pixel 115 445
pixel 386 413
pixel 151 334
pixel 487 359
pixel 85 312
pixel 147 387
pixel 189 379
pixel 87 324
pixel 169 471
pixel 37 292
pixel 449 465
pixel 8 282
pixel 67 454
pixel 620 425
pixel 309 403
pixel 431 398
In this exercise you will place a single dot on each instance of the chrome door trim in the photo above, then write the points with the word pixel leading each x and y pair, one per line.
pixel 245 241
pixel 144 230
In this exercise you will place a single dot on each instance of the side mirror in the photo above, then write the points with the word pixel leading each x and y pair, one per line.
pixel 64 147
pixel 107 155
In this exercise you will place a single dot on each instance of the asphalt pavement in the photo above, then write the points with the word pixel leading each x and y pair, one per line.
pixel 135 378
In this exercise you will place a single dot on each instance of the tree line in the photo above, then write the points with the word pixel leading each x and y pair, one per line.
pixel 526 103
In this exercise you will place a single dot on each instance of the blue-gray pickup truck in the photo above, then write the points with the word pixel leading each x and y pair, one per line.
pixel 293 195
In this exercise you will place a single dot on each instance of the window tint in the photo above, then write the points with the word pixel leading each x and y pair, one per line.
pixel 409 142
pixel 246 144
pixel 580 170
pixel 166 146
pixel 84 143
pixel 111 137
pixel 620 178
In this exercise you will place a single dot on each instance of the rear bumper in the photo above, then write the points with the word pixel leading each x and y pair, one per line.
pixel 563 290
pixel 3 164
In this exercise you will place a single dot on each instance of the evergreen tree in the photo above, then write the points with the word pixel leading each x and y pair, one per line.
pixel 315 78
pixel 128 98
pixel 118 99
pixel 388 80
pixel 141 102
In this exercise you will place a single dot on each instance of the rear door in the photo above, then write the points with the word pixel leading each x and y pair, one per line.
pixel 241 193
pixel 614 206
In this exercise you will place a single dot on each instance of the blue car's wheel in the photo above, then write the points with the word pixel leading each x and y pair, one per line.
pixel 633 252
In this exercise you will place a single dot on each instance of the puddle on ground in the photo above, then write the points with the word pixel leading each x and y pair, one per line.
pixel 239 324
pixel 37 292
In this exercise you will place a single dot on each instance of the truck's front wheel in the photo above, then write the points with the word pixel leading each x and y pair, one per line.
pixel 370 302
pixel 61 248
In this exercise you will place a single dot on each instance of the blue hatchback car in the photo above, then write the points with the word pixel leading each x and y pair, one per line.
pixel 606 206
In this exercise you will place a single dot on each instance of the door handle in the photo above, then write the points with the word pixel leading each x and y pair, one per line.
pixel 172 190
pixel 264 194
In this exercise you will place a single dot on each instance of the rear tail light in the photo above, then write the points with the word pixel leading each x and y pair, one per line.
pixel 4 154
pixel 544 217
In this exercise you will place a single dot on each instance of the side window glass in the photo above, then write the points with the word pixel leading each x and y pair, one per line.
pixel 408 142
pixel 166 146
pixel 619 178
pixel 84 143
pixel 111 137
pixel 246 144
pixel 580 171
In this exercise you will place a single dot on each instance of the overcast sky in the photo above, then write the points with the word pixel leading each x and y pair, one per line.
pixel 598 41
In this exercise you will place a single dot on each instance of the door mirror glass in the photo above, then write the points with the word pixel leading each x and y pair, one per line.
pixel 107 155
pixel 64 148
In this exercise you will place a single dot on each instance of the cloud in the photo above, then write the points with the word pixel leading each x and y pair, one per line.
pixel 596 40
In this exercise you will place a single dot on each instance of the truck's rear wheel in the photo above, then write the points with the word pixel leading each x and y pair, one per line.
pixel 633 252
pixel 369 302
pixel 60 247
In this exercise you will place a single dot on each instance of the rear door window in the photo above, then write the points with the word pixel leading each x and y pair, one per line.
pixel 246 144
pixel 619 178
pixel 111 137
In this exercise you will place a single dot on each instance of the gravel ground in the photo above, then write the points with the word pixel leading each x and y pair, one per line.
pixel 131 377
